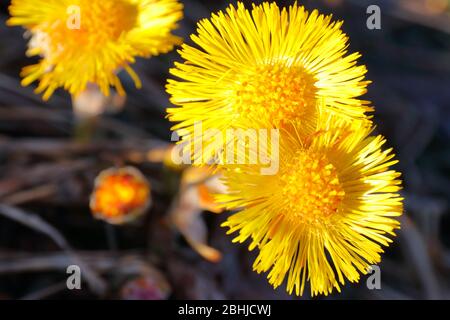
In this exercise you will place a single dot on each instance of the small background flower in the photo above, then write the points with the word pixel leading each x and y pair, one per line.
pixel 120 195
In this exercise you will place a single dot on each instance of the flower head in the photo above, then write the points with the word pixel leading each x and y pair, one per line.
pixel 265 67
pixel 83 41
pixel 120 195
pixel 325 215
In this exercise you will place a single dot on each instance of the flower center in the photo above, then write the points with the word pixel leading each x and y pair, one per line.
pixel 311 187
pixel 277 93
pixel 107 19
pixel 87 25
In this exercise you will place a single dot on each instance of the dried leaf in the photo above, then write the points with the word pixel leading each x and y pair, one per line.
pixel 197 186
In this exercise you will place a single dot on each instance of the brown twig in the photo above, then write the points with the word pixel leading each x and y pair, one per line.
pixel 35 222
pixel 416 251
pixel 46 292
pixel 100 261
pixel 33 194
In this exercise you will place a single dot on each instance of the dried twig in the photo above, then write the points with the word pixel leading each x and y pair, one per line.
pixel 100 261
pixel 416 251
pixel 33 194
pixel 33 221
pixel 46 292
pixel 41 174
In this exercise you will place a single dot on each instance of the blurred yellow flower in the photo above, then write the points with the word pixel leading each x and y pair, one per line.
pixel 83 41
pixel 120 195
pixel 266 67
pixel 327 213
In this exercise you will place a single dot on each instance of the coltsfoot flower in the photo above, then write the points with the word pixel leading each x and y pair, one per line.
pixel 83 41
pixel 120 195
pixel 265 67
pixel 325 215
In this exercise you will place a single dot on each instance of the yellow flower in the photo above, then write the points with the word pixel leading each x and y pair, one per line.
pixel 82 41
pixel 120 195
pixel 265 66
pixel 325 215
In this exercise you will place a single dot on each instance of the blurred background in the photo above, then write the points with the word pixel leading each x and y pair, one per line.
pixel 46 177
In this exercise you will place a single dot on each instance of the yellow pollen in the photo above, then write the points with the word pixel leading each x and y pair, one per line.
pixel 276 92
pixel 311 188
pixel 99 23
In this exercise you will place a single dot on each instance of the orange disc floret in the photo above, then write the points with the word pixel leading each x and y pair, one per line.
pixel 120 195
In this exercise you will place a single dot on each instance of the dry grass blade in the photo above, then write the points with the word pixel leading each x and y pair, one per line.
pixel 36 223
